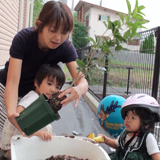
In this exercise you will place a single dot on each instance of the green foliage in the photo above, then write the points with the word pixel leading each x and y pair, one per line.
pixel 147 45
pixel 137 85
pixel 101 48
pixel 79 34
pixel 38 4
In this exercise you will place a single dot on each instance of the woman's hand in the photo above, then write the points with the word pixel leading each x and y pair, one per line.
pixel 75 95
pixel 44 135
pixel 77 91
pixel 11 118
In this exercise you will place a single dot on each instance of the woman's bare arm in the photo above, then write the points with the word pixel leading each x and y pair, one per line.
pixel 11 91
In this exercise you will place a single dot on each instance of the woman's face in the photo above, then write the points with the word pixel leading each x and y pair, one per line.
pixel 132 121
pixel 51 39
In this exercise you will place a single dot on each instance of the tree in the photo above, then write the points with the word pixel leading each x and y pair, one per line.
pixel 79 34
pixel 147 45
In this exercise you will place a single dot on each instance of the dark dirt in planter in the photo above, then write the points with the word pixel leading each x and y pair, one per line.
pixel 55 102
pixel 64 157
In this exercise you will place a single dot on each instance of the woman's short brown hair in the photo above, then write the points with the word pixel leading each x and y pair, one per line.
pixel 56 12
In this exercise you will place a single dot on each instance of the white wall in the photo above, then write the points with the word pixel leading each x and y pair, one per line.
pixel 96 26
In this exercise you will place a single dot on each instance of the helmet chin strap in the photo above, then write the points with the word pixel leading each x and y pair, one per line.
pixel 128 142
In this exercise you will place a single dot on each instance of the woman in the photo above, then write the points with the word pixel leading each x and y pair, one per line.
pixel 32 47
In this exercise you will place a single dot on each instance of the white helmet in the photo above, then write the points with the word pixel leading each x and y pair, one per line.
pixel 144 101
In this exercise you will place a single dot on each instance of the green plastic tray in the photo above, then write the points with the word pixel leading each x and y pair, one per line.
pixel 36 116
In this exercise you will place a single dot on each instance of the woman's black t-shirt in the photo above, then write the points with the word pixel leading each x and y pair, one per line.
pixel 25 47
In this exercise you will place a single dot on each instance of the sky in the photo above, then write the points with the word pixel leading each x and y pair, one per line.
pixel 152 8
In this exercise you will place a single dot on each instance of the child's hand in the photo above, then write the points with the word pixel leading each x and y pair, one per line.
pixel 104 137
pixel 44 135
pixel 98 139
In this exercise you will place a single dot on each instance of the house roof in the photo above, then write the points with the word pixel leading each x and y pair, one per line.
pixel 88 5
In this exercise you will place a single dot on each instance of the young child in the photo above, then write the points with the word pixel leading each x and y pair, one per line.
pixel 137 142
pixel 48 80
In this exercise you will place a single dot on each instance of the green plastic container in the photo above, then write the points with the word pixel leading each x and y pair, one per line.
pixel 36 116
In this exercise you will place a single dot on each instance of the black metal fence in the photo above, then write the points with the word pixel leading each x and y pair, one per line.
pixel 133 71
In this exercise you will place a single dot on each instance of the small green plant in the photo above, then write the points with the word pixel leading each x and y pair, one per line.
pixel 101 48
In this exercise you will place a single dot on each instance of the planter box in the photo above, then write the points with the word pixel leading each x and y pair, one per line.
pixel 35 148
pixel 36 116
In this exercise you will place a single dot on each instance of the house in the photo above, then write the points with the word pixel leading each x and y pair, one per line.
pixel 93 17
pixel 14 15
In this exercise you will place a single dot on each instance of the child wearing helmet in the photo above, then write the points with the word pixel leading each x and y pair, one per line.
pixel 137 142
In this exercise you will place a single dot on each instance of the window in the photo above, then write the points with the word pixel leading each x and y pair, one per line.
pixel 102 17
pixel 87 21
pixel 87 17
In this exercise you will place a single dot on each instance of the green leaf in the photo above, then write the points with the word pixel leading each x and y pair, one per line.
pixel 117 23
pixel 138 35
pixel 143 27
pixel 121 16
pixel 90 75
pixel 135 9
pixel 110 24
pixel 129 7
pixel 120 38
pixel 140 8
pixel 142 13
pixel 138 17
pixel 105 24
pixel 125 49
pixel 126 34
pixel 92 40
pixel 118 48
pixel 80 63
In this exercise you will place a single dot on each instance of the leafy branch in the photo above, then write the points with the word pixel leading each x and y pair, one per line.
pixel 120 31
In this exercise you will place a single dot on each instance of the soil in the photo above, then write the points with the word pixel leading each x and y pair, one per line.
pixel 55 102
pixel 64 157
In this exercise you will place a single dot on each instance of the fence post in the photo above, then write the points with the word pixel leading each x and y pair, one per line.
pixel 129 68
pixel 155 82
pixel 105 77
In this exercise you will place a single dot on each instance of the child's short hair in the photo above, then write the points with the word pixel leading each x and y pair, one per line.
pixel 50 70
pixel 55 12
